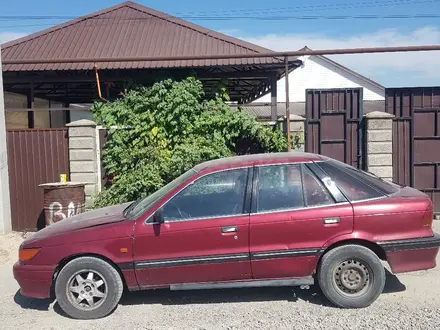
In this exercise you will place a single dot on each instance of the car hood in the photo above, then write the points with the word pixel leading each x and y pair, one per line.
pixel 89 219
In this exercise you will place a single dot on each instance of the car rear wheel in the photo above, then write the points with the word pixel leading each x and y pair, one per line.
pixel 351 276
pixel 88 288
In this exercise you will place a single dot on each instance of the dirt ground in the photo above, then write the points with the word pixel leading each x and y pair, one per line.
pixel 410 301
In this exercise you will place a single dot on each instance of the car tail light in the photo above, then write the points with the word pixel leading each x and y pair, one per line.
pixel 428 217
pixel 27 254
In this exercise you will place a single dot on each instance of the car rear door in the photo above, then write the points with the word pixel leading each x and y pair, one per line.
pixel 293 215
pixel 204 237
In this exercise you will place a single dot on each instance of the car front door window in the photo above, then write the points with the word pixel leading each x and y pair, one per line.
pixel 214 195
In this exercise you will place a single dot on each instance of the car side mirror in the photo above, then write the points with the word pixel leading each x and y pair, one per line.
pixel 158 216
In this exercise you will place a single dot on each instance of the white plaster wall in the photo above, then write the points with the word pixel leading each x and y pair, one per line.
pixel 317 73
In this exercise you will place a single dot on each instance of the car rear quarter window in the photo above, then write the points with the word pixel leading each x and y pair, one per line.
pixel 386 187
pixel 352 185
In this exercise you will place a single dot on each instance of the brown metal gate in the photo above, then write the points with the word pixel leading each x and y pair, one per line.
pixel 334 124
pixel 416 140
pixel 35 156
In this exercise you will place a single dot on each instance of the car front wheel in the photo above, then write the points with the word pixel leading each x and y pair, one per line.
pixel 351 276
pixel 88 288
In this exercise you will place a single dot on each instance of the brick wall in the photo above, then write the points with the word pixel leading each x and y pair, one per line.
pixel 380 144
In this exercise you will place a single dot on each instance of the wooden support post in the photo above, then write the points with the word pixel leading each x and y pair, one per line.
pixel 50 114
pixel 67 118
pixel 273 100
pixel 30 105
pixel 289 144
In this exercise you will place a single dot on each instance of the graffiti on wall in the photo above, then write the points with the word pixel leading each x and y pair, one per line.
pixel 57 212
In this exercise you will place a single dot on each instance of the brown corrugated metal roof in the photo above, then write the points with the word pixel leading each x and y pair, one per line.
pixel 263 110
pixel 128 29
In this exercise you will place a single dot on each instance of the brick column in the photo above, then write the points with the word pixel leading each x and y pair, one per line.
pixel 82 155
pixel 296 128
pixel 380 144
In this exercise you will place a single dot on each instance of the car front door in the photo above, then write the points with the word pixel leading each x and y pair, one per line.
pixel 293 215
pixel 204 236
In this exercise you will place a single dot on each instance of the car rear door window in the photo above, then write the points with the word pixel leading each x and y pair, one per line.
pixel 354 188
pixel 315 193
pixel 279 188
pixel 213 195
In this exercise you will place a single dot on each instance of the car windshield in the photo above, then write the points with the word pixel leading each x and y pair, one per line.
pixel 140 206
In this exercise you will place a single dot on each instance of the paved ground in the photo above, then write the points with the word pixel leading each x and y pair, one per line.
pixel 411 301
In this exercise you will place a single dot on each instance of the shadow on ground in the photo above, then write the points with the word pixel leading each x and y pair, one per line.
pixel 31 303
pixel 312 295
pixel 393 285
pixel 166 297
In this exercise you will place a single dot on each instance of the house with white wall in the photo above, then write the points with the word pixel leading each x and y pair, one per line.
pixel 318 72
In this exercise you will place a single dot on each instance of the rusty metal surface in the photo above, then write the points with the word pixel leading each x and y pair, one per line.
pixel 334 124
pixel 129 31
pixel 416 138
pixel 35 157
pixel 62 201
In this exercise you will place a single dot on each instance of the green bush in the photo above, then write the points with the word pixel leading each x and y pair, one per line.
pixel 156 133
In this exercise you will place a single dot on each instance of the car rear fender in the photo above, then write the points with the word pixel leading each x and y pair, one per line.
pixel 355 235
pixel 360 238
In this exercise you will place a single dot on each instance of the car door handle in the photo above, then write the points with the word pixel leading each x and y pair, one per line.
pixel 331 221
pixel 229 229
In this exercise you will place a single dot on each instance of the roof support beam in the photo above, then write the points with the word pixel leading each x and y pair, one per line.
pixel 105 76
pixel 273 99
pixel 30 105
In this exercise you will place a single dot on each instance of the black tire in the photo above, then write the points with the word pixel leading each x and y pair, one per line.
pixel 351 276
pixel 111 288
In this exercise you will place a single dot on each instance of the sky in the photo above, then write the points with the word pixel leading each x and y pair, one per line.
pixel 286 30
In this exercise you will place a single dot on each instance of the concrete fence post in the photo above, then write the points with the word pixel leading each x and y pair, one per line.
pixel 379 127
pixel 296 130
pixel 82 156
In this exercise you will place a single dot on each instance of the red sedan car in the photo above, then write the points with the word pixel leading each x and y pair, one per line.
pixel 260 220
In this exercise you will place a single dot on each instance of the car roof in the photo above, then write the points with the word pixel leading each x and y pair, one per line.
pixel 266 158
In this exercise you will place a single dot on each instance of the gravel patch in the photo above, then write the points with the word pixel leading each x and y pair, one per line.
pixel 410 301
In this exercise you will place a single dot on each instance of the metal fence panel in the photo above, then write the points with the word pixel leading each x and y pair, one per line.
pixel 334 124
pixel 35 156
pixel 416 138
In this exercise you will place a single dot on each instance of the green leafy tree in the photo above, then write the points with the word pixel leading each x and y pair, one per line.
pixel 156 133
